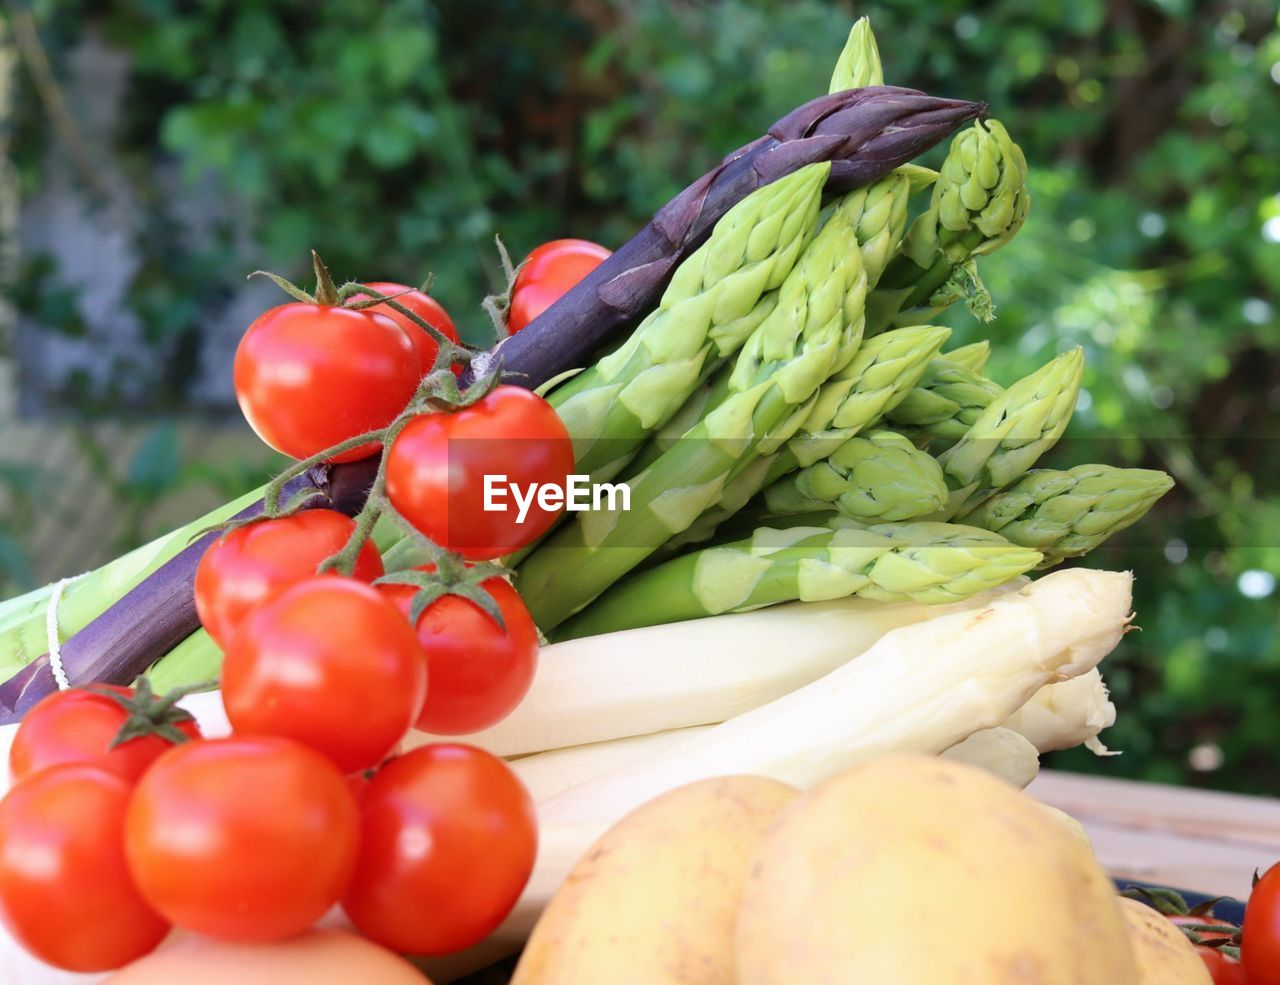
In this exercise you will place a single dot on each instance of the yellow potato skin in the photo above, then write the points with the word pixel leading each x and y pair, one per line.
pixel 915 870
pixel 654 901
pixel 1070 823
pixel 1163 953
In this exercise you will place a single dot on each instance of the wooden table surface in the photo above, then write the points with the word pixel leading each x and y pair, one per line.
pixel 1170 836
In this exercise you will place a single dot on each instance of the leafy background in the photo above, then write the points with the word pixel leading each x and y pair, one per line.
pixel 398 137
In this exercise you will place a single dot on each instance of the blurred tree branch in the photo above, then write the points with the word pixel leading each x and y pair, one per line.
pixel 27 39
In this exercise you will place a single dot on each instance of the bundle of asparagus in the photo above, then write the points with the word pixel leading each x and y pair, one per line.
pixel 948 445
pixel 900 432
pixel 787 421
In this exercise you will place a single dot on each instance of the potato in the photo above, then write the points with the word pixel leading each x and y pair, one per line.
pixel 1071 824
pixel 655 899
pixel 922 871
pixel 318 957
pixel 1163 953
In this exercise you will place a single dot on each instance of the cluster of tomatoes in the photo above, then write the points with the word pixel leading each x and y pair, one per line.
pixel 123 821
pixel 1247 955
pixel 254 837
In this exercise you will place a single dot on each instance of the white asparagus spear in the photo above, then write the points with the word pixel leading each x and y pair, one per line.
pixel 1001 752
pixel 546 774
pixel 1058 716
pixel 697 672
pixel 922 688
pixel 1067 714
pixel 1006 753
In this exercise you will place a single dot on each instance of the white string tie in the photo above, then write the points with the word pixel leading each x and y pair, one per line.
pixel 51 632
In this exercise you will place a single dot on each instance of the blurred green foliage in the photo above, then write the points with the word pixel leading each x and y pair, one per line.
pixel 398 137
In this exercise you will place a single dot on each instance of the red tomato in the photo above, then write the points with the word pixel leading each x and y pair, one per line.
pixel 65 891
pixel 1222 969
pixel 356 782
pixel 247 838
pixel 439 465
pixel 1260 935
pixel 246 566
pixel 308 376
pixel 330 663
pixel 548 274
pixel 478 672
pixel 79 726
pixel 425 307
pixel 448 840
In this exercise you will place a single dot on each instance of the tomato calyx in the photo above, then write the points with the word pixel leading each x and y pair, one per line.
pixel 150 713
pixel 1224 947
pixel 449 354
pixel 450 575
pixel 325 294
pixel 1197 922
pixel 497 306
pixel 358 297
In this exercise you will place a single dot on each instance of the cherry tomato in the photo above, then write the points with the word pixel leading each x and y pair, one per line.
pixel 79 726
pixel 425 307
pixel 478 672
pixel 308 376
pixel 440 464
pixel 328 662
pixel 65 890
pixel 356 782
pixel 246 566
pixel 1222 969
pixel 244 839
pixel 547 275
pixel 1260 936
pixel 448 839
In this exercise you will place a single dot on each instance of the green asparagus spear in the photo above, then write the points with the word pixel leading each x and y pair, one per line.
pixel 978 204
pixel 716 299
pixel 979 201
pixel 859 66
pixel 881 220
pixel 947 400
pixel 1067 514
pixel 922 562
pixel 1013 432
pixel 883 373
pixel 879 215
pixel 875 478
pixel 197 658
pixel 972 357
pixel 859 62
pixel 813 332
pixel 884 370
